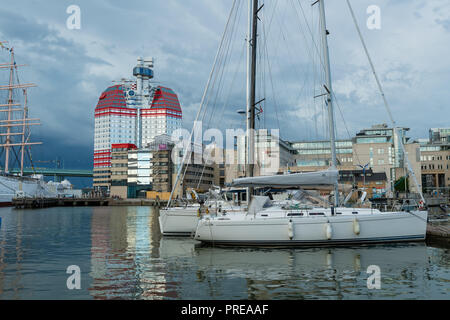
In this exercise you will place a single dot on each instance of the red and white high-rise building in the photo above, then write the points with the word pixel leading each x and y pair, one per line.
pixel 132 112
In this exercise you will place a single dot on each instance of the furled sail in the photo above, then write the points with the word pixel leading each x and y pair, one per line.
pixel 326 177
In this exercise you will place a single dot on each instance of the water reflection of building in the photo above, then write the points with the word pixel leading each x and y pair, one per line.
pixel 125 255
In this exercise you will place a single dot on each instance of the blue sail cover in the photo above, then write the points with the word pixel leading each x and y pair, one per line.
pixel 318 178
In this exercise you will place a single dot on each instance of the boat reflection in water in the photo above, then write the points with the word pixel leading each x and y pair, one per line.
pixel 336 273
pixel 122 255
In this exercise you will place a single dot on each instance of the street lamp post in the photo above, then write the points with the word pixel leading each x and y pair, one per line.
pixel 364 172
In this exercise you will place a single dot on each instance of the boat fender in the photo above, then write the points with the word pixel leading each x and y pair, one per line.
pixel 421 205
pixel 207 211
pixel 356 227
pixel 329 231
pixel 290 230
pixel 199 212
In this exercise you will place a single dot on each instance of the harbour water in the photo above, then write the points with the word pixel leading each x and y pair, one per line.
pixel 122 255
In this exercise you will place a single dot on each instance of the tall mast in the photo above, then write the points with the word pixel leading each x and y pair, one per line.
pixel 15 123
pixel 251 87
pixel 10 102
pixel 24 127
pixel 329 94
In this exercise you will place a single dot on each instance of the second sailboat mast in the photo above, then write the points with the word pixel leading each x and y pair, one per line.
pixel 329 94
pixel 251 87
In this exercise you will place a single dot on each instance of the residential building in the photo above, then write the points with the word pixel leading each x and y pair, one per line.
pixel 318 153
pixel 132 112
pixel 374 183
pixel 435 161
pixel 377 148
pixel 271 153
pixel 119 169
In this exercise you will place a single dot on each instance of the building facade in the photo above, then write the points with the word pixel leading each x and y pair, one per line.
pixel 377 148
pixel 119 169
pixel 318 153
pixel 132 112
pixel 271 153
pixel 374 183
pixel 435 161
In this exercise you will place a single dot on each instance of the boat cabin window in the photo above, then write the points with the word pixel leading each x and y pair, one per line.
pixel 338 212
pixel 355 212
pixel 317 214
pixel 295 214
pixel 268 204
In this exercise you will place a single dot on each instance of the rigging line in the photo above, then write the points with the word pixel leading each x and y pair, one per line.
pixel 227 58
pixel 314 67
pixel 271 19
pixel 290 55
pixel 29 155
pixel 188 147
pixel 238 66
pixel 371 65
pixel 260 69
pixel 302 32
pixel 271 81
pixel 16 161
pixel 264 58
pixel 386 104
pixel 279 38
pixel 345 125
pixel 218 75
pixel 312 36
pixel 223 107
pixel 305 80
pixel 215 76
pixel 276 50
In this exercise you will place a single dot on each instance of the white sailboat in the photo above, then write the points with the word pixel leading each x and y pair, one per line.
pixel 266 224
pixel 182 220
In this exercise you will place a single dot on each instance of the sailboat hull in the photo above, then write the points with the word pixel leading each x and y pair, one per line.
pixel 28 187
pixel 179 221
pixel 9 185
pixel 182 221
pixel 314 231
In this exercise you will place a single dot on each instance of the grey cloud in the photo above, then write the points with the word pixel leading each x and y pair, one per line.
pixel 72 69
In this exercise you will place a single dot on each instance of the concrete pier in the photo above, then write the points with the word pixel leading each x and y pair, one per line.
pixel 438 231
pixel 38 203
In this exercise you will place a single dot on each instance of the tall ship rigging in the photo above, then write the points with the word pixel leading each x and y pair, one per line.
pixel 15 137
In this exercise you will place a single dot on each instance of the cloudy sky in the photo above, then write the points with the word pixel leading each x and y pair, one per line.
pixel 72 67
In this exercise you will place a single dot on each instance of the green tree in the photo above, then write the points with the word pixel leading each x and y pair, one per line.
pixel 400 184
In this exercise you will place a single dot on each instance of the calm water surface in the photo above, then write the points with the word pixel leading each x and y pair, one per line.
pixel 122 256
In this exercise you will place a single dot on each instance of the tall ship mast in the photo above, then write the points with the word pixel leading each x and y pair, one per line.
pixel 14 123
pixel 15 134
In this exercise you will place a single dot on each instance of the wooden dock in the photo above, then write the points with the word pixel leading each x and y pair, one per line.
pixel 39 203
